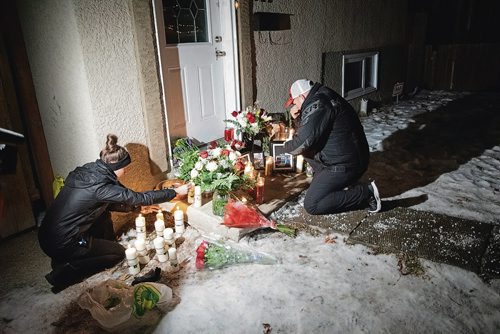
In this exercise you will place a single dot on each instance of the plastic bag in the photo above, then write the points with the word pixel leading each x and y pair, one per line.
pixel 119 307
pixel 57 185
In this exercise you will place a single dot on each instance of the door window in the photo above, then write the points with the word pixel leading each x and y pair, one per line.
pixel 185 21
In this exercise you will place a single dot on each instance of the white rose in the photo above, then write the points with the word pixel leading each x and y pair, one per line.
pixel 233 156
pixel 194 173
pixel 216 151
pixel 211 166
pixel 243 122
pixel 198 165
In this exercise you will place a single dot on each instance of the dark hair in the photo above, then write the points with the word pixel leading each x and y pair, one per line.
pixel 113 152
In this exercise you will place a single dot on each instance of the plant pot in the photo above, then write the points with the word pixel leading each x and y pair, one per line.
pixel 219 201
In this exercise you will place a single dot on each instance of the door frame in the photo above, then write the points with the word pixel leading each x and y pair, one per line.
pixel 231 63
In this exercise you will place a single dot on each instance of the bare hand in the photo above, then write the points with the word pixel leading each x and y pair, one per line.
pixel 294 112
pixel 147 209
pixel 182 190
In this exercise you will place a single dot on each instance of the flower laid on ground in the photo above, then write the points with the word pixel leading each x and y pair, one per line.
pixel 213 255
pixel 251 121
pixel 240 215
pixel 216 168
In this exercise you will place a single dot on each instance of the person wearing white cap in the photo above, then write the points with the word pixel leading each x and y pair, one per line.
pixel 331 138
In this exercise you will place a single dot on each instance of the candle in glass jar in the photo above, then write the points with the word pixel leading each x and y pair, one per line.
pixel 228 134
pixel 269 166
pixel 259 190
pixel 300 164
pixel 249 170
pixel 159 227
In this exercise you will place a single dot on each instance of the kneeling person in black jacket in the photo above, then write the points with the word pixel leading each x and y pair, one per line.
pixel 77 231
pixel 332 140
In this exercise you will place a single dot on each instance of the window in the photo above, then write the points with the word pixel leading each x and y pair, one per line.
pixel 359 74
pixel 185 21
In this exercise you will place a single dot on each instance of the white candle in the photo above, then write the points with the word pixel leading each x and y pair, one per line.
pixel 300 164
pixel 159 227
pixel 140 227
pixel 142 253
pixel 179 222
pixel 159 216
pixel 168 235
pixel 133 265
pixel 172 255
pixel 159 243
pixel 178 214
pixel 197 197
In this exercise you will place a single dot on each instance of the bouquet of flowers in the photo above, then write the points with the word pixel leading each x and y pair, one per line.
pixel 240 215
pixel 216 168
pixel 250 122
pixel 214 255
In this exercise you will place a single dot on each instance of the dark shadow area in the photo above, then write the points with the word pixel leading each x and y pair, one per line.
pixel 436 143
pixel 404 202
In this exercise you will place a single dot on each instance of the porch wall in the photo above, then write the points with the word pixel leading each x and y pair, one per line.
pixel 321 29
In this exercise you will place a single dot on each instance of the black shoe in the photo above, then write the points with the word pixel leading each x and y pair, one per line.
pixel 63 276
pixel 374 202
pixel 152 276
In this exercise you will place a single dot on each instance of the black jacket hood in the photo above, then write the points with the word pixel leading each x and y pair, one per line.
pixel 90 174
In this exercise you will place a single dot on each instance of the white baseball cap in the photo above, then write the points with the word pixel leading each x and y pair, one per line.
pixel 299 87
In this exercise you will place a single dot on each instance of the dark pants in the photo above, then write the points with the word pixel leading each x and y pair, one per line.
pixel 93 252
pixel 327 193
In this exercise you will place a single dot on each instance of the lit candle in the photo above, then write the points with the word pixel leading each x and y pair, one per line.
pixel 269 166
pixel 244 200
pixel 190 198
pixel 291 132
pixel 159 243
pixel 259 190
pixel 159 227
pixel 179 222
pixel 140 227
pixel 159 216
pixel 197 197
pixel 172 255
pixel 300 164
pixel 142 253
pixel 133 264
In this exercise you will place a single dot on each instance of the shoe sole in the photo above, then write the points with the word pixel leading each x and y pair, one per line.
pixel 377 198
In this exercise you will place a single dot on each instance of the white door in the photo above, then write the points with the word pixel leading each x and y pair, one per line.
pixel 198 65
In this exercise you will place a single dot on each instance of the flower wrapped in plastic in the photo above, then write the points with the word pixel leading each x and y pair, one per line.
pixel 215 255
pixel 241 215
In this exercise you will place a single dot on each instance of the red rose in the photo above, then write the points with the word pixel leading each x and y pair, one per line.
pixel 213 144
pixel 239 166
pixel 204 154
pixel 236 144
pixel 200 263
pixel 234 113
pixel 225 152
pixel 251 118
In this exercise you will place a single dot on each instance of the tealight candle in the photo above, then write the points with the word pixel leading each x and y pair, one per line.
pixel 300 164
pixel 197 197
pixel 159 216
pixel 172 255
pixel 133 264
pixel 142 253
pixel 159 243
pixel 140 226
pixel 159 227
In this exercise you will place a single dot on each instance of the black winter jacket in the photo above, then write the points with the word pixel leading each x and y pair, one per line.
pixel 329 131
pixel 88 192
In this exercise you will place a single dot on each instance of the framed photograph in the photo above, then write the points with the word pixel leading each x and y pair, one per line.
pixel 258 160
pixel 244 158
pixel 282 160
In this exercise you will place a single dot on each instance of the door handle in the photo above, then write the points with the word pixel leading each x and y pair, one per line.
pixel 219 53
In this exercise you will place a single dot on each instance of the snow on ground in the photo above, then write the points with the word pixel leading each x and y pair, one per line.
pixel 321 287
pixel 336 288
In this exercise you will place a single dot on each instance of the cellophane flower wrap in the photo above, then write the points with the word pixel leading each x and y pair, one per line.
pixel 216 168
pixel 251 121
pixel 216 255
pixel 243 215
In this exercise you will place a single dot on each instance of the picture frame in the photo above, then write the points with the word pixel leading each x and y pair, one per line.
pixel 244 158
pixel 259 161
pixel 282 160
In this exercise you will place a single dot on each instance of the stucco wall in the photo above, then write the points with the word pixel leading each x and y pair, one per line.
pixel 88 76
pixel 319 27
